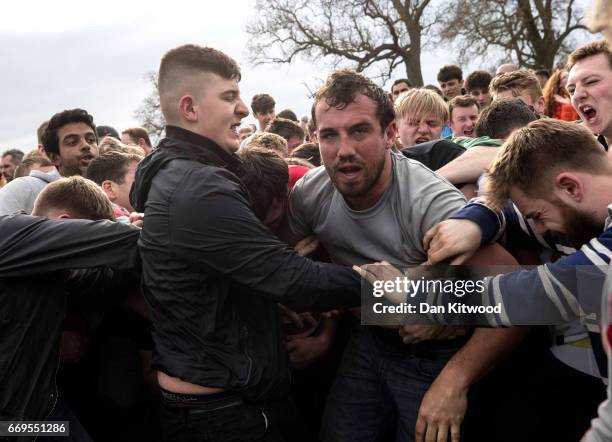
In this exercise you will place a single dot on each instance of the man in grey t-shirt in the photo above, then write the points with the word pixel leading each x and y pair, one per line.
pixel 368 204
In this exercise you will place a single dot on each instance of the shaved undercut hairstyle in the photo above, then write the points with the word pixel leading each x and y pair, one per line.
pixel 516 82
pixel 181 67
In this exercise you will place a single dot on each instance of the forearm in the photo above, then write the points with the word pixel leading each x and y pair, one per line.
pixel 485 349
pixel 469 166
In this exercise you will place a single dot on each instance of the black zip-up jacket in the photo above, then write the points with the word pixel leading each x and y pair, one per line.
pixel 213 273
pixel 35 281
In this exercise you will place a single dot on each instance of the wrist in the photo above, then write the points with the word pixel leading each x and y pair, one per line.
pixel 455 380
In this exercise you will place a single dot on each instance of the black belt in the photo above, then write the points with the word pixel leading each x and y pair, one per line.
pixel 201 403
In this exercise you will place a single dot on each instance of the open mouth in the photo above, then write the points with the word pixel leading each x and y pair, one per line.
pixel 349 172
pixel 468 133
pixel 588 112
pixel 87 158
pixel 421 140
pixel 234 128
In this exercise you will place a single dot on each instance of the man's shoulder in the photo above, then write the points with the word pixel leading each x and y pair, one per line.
pixel 434 154
pixel 414 171
pixel 315 182
pixel 415 182
pixel 24 183
pixel 313 191
pixel 195 178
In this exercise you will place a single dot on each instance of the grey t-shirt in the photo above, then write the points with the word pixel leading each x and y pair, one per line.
pixel 391 230
pixel 20 194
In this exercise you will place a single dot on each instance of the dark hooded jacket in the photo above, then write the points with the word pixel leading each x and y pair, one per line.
pixel 213 273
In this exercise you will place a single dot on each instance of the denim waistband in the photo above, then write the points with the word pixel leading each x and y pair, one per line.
pixel 201 402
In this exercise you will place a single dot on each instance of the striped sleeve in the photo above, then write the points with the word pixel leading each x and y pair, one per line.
pixel 569 289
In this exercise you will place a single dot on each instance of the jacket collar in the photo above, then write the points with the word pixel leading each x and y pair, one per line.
pixel 198 144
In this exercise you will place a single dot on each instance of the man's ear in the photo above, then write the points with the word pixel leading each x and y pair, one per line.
pixel 390 134
pixel 568 185
pixel 540 105
pixel 186 107
pixel 55 159
pixel 109 189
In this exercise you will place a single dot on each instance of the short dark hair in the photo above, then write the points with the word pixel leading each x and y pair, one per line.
pixel 80 197
pixel 41 130
pixel 16 155
pixel 589 50
pixel 285 128
pixel 106 131
pixel 288 114
pixel 266 176
pixel 461 101
pixel 111 166
pixel 450 72
pixel 138 132
pixel 189 60
pixel 478 80
pixel 501 117
pixel 309 152
pixel 434 88
pixel 341 88
pixel 50 140
pixel 401 80
pixel 262 103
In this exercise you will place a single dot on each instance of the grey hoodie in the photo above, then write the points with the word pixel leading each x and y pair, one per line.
pixel 20 194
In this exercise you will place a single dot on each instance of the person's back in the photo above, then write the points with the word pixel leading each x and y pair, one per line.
pixel 20 194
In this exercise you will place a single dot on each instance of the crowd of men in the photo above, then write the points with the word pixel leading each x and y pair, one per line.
pixel 208 288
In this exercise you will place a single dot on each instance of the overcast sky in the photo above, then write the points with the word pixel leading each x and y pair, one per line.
pixel 95 55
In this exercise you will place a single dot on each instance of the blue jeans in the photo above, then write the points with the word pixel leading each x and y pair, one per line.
pixel 379 387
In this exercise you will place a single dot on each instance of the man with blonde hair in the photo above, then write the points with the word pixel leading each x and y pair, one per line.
pixel 208 260
pixel 420 115
pixel 521 84
pixel 269 141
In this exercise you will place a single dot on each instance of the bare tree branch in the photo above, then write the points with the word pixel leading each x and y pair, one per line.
pixel 149 113
pixel 532 32
pixel 371 34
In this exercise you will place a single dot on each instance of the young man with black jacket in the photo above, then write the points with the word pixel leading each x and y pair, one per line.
pixel 212 272
pixel 36 281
